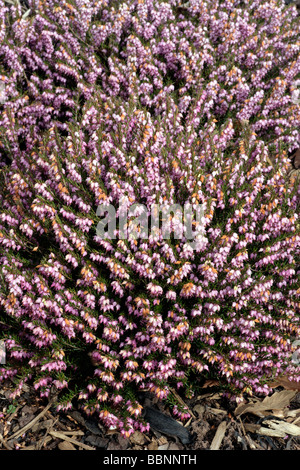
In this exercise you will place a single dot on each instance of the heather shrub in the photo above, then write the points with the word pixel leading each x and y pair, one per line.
pixel 176 115
pixel 151 313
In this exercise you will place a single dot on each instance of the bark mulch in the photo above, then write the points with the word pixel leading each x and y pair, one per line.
pixel 271 423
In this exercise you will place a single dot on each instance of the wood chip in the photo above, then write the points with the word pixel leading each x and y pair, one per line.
pixel 217 440
pixel 164 447
pixel 199 409
pixel 174 446
pixel 99 442
pixel 65 445
pixel 76 417
pixel 187 424
pixel 278 428
pixel 270 432
pixel 160 422
pixel 153 445
pixel 216 411
pixel 162 440
pixel 63 437
pixel 137 438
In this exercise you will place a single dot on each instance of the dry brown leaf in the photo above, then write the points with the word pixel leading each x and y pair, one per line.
pixel 210 383
pixel 293 414
pixel 277 401
pixel 280 413
pixel 286 383
pixel 297 421
pixel 296 159
pixel 210 396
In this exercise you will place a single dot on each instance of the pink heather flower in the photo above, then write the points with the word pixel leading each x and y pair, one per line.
pixel 117 399
pixel 43 382
pixel 91 388
pixel 60 384
pixel 171 295
pixel 134 409
pixel 64 406
pixel 154 290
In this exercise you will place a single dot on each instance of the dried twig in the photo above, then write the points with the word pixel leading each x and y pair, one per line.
pixel 31 423
pixel 73 433
pixel 40 444
pixel 63 437
pixel 250 442
pixel 10 418
pixel 4 443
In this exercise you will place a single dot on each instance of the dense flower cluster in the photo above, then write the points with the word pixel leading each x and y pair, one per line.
pixel 224 58
pixel 161 103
